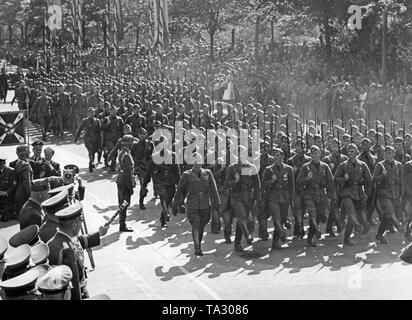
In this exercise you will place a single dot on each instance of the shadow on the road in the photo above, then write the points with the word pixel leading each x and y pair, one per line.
pixel 8 224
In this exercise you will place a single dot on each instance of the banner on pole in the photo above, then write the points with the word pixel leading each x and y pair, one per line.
pixel 12 128
pixel 55 15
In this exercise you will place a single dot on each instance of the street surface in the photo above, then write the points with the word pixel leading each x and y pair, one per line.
pixel 152 263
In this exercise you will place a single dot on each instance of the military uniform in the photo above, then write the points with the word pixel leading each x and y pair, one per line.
pixel 389 177
pixel 79 109
pixel 61 111
pixel 243 193
pixel 91 137
pixel 42 107
pixel 24 175
pixel 407 173
pixel 296 162
pixel 356 181
pixel 69 250
pixel 125 180
pixel 280 193
pixel 50 206
pixel 113 130
pixel 199 188
pixel 314 195
pixel 8 184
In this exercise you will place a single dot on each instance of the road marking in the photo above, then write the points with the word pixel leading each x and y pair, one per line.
pixel 139 280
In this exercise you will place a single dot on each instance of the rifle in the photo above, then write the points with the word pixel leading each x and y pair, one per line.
pixel 384 132
pixel 104 228
pixel 351 132
pixel 271 131
pixel 287 138
pixel 323 139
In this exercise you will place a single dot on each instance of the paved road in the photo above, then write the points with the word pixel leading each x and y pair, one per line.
pixel 155 263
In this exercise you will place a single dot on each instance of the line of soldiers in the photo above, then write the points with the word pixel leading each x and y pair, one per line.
pixel 320 191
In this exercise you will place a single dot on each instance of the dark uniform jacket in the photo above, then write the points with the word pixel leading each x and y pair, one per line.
pixel 24 175
pixel 333 161
pixel 369 159
pixel 69 251
pixel 389 186
pixel 126 170
pixel 283 189
pixel 407 174
pixel 79 104
pixel 31 214
pixel 8 183
pixel 113 128
pixel 61 103
pixel 297 161
pixel 200 192
pixel 248 187
pixel 360 180
pixel 42 106
pixel 314 188
pixel 92 130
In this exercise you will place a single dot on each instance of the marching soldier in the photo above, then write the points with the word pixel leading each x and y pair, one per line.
pixel 61 110
pixel 165 178
pixel 316 182
pixel 79 107
pixel 67 247
pixel 198 186
pixel 278 180
pixel 92 136
pixel 388 174
pixel 125 180
pixel 296 162
pixel 333 161
pixel 113 130
pixel 242 180
pixel 8 185
pixel 42 106
pixel 36 160
pixel 356 181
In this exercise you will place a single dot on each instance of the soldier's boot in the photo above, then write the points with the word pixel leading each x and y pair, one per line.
pixel 296 229
pixel 198 250
pixel 329 225
pixel 238 247
pixel 397 224
pixel 315 226
pixel 275 244
pixel 364 221
pixel 279 229
pixel 163 220
pixel 99 156
pixel 227 237
pixel 216 226
pixel 141 205
pixel 90 167
pixel 348 242
pixel 251 224
pixel 381 230
pixel 311 241
pixel 263 229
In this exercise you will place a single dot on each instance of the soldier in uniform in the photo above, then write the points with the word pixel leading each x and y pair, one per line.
pixel 113 130
pixel 79 107
pixel 136 120
pixel 400 155
pixel 55 284
pixel 388 174
pixel 50 168
pixel 198 186
pixel 333 161
pixel 356 181
pixel 61 110
pixel 36 160
pixel 50 206
pixel 165 178
pixel 8 185
pixel 125 180
pixel 278 180
pixel 42 106
pixel 32 213
pixel 314 178
pixel 242 180
pixel 296 162
pixel 4 85
pixel 370 160
pixel 24 175
pixel 91 125
pixel 67 247
pixel 142 153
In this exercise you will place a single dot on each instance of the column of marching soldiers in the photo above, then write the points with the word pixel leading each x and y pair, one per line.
pixel 345 173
